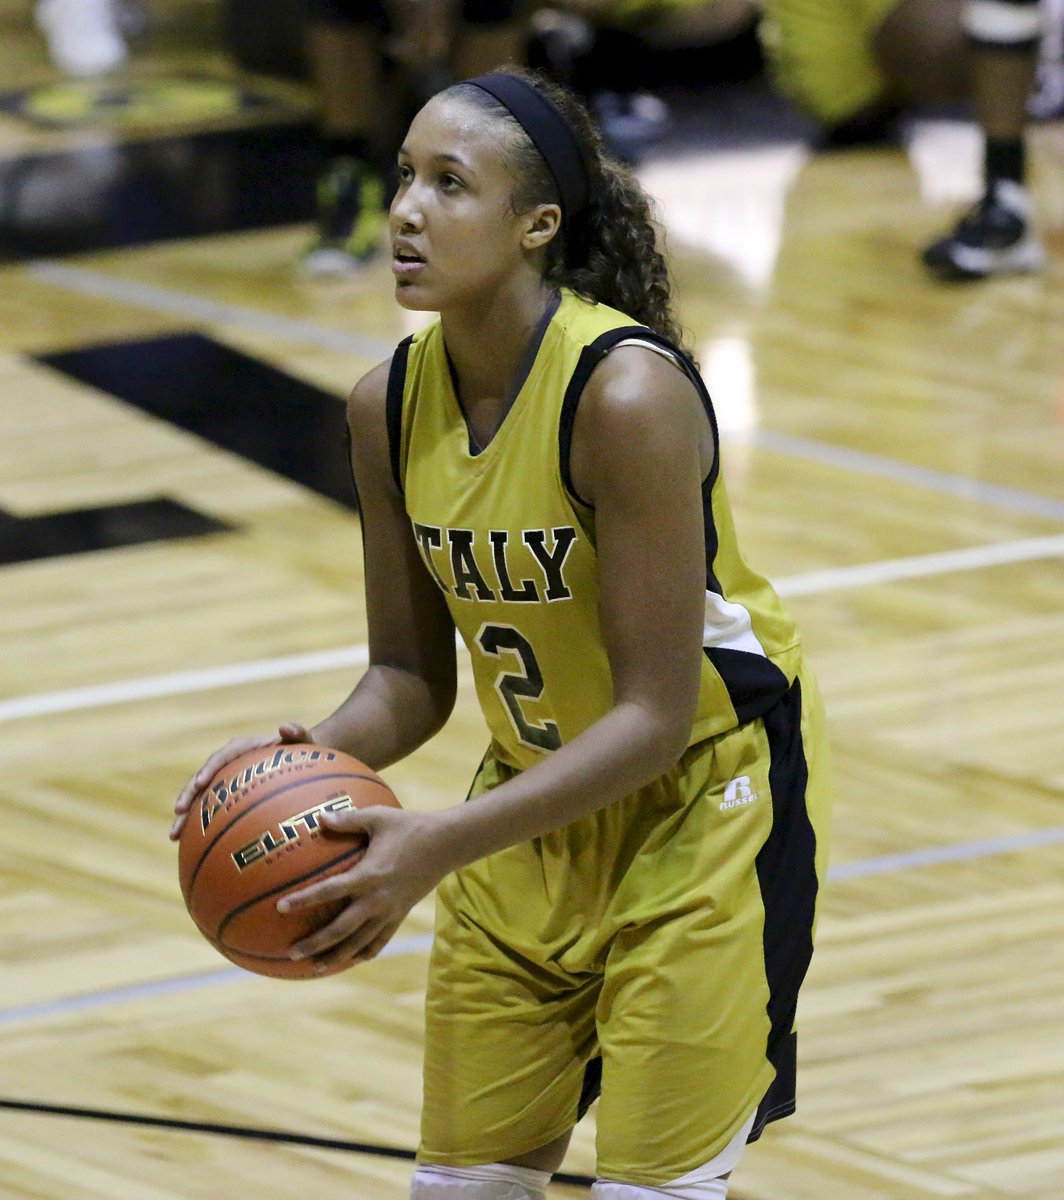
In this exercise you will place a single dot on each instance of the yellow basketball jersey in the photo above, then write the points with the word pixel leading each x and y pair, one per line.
pixel 512 547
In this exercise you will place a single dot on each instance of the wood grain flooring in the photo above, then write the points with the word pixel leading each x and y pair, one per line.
pixel 895 452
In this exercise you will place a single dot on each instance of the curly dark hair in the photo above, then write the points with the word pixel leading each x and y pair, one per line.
pixel 612 253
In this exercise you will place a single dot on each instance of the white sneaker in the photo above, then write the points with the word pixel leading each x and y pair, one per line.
pixel 83 35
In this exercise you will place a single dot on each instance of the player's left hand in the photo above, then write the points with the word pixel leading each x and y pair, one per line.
pixel 402 863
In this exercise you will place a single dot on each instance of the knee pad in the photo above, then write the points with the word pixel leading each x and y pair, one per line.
pixel 1003 24
pixel 493 1181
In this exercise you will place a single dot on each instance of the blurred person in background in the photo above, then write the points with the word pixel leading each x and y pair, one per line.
pixel 614 52
pixel 855 64
pixel 88 37
pixel 374 62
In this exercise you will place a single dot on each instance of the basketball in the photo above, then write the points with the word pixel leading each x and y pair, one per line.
pixel 254 834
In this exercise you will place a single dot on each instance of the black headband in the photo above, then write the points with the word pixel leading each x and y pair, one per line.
pixel 551 133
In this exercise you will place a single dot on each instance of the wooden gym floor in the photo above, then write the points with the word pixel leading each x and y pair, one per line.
pixel 181 562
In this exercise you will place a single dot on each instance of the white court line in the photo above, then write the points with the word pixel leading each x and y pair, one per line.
pixel 416 943
pixel 206 312
pixel 863 463
pixel 933 856
pixel 125 691
pixel 973 558
pixel 811 583
pixel 169 987
pixel 198 310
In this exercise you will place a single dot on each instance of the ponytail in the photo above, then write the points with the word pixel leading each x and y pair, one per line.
pixel 618 260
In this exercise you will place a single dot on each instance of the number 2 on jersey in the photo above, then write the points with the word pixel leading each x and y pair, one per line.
pixel 515 686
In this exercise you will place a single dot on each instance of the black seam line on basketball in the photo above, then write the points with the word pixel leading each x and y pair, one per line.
pixel 262 800
pixel 239 1131
pixel 287 886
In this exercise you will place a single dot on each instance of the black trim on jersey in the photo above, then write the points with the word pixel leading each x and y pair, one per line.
pixel 709 528
pixel 786 873
pixel 394 408
pixel 590 357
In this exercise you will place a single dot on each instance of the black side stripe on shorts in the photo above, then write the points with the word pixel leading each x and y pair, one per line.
pixel 755 684
pixel 786 872
pixel 394 408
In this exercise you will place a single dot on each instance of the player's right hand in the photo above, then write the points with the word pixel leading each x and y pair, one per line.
pixel 287 731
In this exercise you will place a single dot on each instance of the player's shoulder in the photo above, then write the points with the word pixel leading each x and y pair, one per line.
pixel 371 391
pixel 367 413
pixel 367 402
pixel 637 382
pixel 370 395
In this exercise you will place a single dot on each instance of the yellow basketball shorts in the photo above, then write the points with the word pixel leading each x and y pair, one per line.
pixel 822 56
pixel 652 951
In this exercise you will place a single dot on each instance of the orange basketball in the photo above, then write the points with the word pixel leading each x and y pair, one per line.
pixel 254 834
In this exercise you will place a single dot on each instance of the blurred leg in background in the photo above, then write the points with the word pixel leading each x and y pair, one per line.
pixel 615 54
pixel 345 54
pixel 856 64
pixel 1002 40
pixel 1047 99
pixel 372 64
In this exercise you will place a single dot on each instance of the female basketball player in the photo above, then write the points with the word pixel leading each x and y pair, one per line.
pixel 627 900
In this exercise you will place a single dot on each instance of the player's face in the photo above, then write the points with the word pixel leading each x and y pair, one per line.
pixel 455 236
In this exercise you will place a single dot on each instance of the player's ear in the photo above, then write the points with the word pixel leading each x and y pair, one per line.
pixel 541 226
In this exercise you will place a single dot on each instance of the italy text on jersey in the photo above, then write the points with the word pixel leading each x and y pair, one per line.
pixel 479 568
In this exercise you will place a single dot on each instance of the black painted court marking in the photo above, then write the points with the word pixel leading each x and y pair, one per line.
pixel 238 403
pixel 245 406
pixel 105 527
pixel 236 1131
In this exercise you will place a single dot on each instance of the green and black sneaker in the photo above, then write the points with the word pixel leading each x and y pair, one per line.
pixel 351 220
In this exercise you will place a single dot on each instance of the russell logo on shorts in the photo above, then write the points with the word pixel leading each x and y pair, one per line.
pixel 738 793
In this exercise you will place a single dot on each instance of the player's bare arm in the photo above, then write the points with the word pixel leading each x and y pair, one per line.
pixel 408 691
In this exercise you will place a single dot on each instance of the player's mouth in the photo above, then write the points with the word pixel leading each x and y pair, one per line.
pixel 406 262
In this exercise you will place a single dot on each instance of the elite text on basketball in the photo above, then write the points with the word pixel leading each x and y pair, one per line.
pixel 287 832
